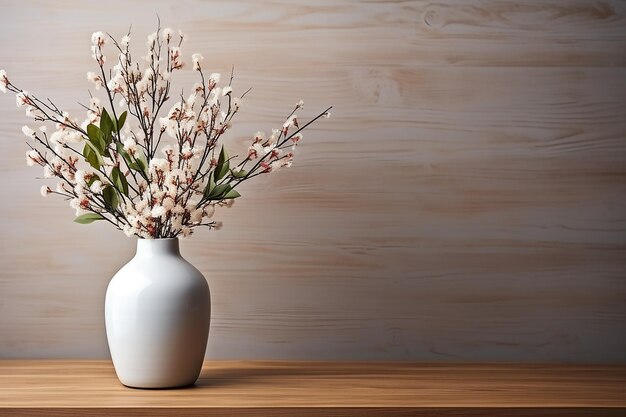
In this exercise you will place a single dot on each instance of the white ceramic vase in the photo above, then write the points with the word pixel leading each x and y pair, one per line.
pixel 157 314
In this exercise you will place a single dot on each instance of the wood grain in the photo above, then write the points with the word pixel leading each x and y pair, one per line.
pixel 464 203
pixel 320 388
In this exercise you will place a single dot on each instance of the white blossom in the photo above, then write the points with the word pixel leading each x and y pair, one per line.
pixel 168 203
pixel 60 188
pixel 168 34
pixel 158 211
pixel 178 209
pixel 82 177
pixel 27 131
pixel 214 79
pixel 195 216
pixel 159 164
pixel 45 190
pixel 259 136
pixel 291 121
pixel 273 137
pixel 22 99
pixel 33 157
pixel 96 187
pixel 48 172
pixel 193 99
pixel 196 59
pixel 116 84
pixel 280 163
pixel 96 51
pixel 80 204
pixel 95 79
pixel 98 39
pixel 33 112
pixel 176 58
pixel 130 146
pixel 151 39
pixel 209 211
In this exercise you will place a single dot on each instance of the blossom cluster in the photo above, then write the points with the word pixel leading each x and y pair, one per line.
pixel 151 171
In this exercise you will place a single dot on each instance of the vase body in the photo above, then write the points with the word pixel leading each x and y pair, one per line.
pixel 157 314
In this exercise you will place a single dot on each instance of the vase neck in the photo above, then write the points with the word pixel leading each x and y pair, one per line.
pixel 153 247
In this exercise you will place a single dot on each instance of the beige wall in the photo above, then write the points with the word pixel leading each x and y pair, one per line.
pixel 466 202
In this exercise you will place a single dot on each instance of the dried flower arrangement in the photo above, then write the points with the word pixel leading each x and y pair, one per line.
pixel 123 171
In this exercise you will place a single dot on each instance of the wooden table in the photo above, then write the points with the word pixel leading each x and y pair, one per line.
pixel 243 388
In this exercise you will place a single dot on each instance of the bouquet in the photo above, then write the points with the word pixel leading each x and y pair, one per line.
pixel 150 172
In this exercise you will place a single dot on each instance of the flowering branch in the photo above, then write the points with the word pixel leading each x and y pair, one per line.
pixel 108 166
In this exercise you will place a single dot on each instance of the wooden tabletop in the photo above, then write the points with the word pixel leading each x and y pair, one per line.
pixel 244 388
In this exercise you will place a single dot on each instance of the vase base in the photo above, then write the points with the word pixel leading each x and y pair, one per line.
pixel 175 386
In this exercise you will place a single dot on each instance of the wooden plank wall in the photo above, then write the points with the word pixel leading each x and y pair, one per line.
pixel 466 201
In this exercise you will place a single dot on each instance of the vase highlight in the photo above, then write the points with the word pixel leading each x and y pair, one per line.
pixel 157 314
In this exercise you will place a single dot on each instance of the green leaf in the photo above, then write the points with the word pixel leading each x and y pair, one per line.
pixel 106 124
pixel 136 164
pixel 239 174
pixel 121 121
pixel 125 155
pixel 93 131
pixel 92 156
pixel 232 194
pixel 218 192
pixel 210 186
pixel 110 197
pixel 119 180
pixel 223 165
pixel 87 153
pixel 140 165
pixel 96 137
pixel 223 156
pixel 88 218
pixel 142 161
